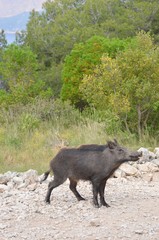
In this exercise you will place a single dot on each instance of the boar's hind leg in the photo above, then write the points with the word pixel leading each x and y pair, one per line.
pixel 53 184
pixel 101 193
pixel 73 185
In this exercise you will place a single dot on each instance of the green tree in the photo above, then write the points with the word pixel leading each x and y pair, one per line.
pixel 3 45
pixel 63 23
pixel 155 25
pixel 18 68
pixel 20 38
pixel 128 84
pixel 140 73
pixel 103 88
pixel 53 33
pixel 82 61
pixel 3 40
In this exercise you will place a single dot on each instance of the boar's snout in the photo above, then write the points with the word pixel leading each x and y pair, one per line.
pixel 135 156
pixel 140 154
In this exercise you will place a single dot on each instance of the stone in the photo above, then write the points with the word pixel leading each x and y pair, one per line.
pixel 3 188
pixel 156 177
pixel 119 173
pixel 156 151
pixel 139 231
pixel 95 223
pixel 148 177
pixel 152 155
pixel 10 174
pixel 156 161
pixel 152 167
pixel 20 186
pixel 142 167
pixel 146 155
pixel 129 170
pixel 32 187
pixel 30 177
pixel 3 179
pixel 17 180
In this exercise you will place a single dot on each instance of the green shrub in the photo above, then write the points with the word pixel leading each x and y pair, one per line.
pixel 111 122
pixel 28 122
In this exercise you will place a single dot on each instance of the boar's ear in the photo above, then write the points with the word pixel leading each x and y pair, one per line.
pixel 115 141
pixel 110 144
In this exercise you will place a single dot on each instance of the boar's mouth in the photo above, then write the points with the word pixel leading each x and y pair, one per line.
pixel 135 157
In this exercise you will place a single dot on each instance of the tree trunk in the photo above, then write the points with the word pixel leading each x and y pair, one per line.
pixel 139 122
pixel 126 124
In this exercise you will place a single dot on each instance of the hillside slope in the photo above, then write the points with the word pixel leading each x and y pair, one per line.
pixel 11 7
pixel 14 23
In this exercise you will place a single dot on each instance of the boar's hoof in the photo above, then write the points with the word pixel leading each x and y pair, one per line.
pixel 81 199
pixel 106 205
pixel 96 205
pixel 47 201
pixel 103 203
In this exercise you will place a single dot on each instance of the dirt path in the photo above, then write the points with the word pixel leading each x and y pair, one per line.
pixel 134 213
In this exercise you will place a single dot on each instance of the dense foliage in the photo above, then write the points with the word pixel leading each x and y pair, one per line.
pixel 18 69
pixel 52 33
pixel 101 55
pixel 128 85
pixel 82 61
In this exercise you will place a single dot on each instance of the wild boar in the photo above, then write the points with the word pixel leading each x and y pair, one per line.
pixel 93 165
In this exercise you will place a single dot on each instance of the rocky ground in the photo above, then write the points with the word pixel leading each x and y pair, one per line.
pixel 134 211
pixel 133 193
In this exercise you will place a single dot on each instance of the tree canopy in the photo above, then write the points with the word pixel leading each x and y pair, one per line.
pixel 18 69
pixel 52 33
pixel 100 53
pixel 82 61
pixel 128 84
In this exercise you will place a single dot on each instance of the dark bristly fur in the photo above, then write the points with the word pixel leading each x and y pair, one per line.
pixel 95 163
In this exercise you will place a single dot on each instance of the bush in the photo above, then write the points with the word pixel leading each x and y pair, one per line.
pixel 112 123
pixel 28 122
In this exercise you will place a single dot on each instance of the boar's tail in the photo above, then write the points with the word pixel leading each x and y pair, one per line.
pixel 46 174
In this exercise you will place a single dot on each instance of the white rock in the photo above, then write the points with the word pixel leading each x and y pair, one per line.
pixel 156 162
pixel 20 186
pixel 156 151
pixel 129 170
pixel 17 180
pixel 147 177
pixel 119 173
pixel 146 155
pixel 3 179
pixel 156 176
pixel 10 185
pixel 10 174
pixel 32 187
pixel 3 188
pixel 3 226
pixel 152 155
pixel 30 177
pixel 152 167
pixel 144 151
pixel 142 167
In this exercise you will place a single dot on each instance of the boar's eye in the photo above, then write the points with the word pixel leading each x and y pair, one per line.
pixel 120 150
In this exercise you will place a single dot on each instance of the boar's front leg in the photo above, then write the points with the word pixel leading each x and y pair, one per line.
pixel 96 186
pixel 101 193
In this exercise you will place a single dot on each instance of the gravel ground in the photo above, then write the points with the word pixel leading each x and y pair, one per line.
pixel 134 213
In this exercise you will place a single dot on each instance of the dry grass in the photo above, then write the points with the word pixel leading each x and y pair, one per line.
pixel 30 136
